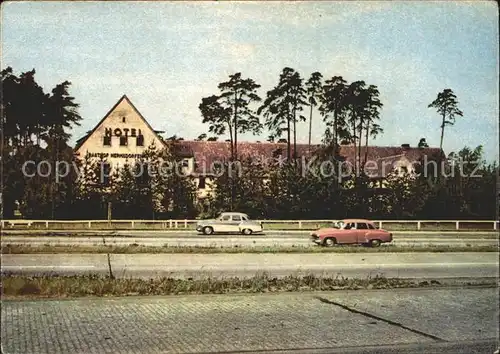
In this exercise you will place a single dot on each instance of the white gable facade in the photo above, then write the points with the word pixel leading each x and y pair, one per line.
pixel 122 136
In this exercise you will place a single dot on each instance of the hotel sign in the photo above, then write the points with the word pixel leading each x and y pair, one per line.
pixel 122 132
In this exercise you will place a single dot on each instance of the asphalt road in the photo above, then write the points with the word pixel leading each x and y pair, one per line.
pixel 278 238
pixel 358 265
pixel 399 321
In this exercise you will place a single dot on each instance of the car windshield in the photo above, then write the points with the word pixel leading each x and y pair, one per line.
pixel 338 225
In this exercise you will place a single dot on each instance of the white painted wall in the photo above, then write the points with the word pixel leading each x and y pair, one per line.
pixel 122 118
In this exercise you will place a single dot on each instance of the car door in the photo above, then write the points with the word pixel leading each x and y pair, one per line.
pixel 349 234
pixel 224 224
pixel 361 232
pixel 235 223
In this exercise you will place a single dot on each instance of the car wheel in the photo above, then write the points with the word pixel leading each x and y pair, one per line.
pixel 375 243
pixel 329 242
pixel 207 230
pixel 247 232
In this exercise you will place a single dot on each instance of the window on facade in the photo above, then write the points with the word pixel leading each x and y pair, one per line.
pixel 404 169
pixel 201 183
pixel 123 119
pixel 185 163
pixel 105 173
pixel 140 140
pixel 123 141
pixel 107 141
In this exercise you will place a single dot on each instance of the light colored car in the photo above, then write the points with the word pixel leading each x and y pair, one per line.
pixel 229 222
pixel 351 231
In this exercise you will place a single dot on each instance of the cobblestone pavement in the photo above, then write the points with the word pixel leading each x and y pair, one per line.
pixel 222 323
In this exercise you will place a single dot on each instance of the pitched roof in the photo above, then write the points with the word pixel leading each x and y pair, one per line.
pixel 207 153
pixel 382 158
pixel 83 139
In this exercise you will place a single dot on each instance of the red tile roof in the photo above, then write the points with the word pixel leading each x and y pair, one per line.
pixel 208 153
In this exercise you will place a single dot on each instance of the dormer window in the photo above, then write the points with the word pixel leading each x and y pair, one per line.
pixel 107 141
pixel 123 141
pixel 140 140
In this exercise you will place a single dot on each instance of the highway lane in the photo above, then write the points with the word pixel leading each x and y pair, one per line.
pixel 279 238
pixel 359 265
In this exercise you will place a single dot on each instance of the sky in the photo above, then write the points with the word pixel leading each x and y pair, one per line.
pixel 167 56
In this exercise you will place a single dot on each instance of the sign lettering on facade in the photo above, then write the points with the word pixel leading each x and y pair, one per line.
pixel 119 132
pixel 103 155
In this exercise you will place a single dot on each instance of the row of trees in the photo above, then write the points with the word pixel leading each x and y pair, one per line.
pixel 466 189
pixel 350 111
pixel 35 127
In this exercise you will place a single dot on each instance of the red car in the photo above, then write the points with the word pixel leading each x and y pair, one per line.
pixel 351 231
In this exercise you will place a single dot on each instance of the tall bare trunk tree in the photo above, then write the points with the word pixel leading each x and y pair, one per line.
pixel 314 90
pixel 282 105
pixel 231 111
pixel 446 104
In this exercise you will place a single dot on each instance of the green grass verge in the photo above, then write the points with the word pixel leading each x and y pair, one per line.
pixel 134 248
pixel 93 285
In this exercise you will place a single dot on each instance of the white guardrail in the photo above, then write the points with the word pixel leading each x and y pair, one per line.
pixel 271 224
